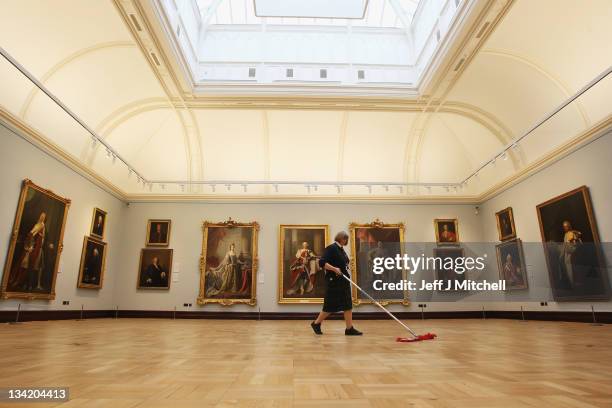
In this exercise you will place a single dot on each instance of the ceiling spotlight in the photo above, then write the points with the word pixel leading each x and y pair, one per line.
pixel 183 188
pixel 163 186
pixel 150 186
pixel 94 142
pixel 114 158
pixel 369 189
pixel 504 156
pixel 447 189
pixel 429 189
pixel 108 153
pixel 213 188
pixel 316 188
pixel 228 187
pixel 493 162
pixel 515 146
pixel 276 188
pixel 401 189
pixel 386 188
pixel 130 171
pixel 308 188
pixel 339 189
pixel 244 188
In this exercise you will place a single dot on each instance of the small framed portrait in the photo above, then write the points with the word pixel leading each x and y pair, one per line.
pixel 155 268
pixel 158 233
pixel 445 271
pixel 505 224
pixel 447 230
pixel 35 245
pixel 93 262
pixel 300 278
pixel 511 263
pixel 98 223
pixel 576 266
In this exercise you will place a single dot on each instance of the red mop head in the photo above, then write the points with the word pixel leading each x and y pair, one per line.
pixel 420 337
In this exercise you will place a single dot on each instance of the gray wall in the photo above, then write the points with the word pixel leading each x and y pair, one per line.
pixel 126 228
pixel 19 160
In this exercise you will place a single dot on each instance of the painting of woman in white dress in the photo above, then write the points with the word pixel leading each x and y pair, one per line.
pixel 228 264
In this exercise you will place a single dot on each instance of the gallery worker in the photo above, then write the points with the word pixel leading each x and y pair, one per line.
pixel 338 298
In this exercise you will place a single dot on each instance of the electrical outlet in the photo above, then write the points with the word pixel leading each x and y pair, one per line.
pixel 65 302
pixel 185 304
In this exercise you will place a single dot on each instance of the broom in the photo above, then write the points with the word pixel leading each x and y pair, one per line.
pixel 415 337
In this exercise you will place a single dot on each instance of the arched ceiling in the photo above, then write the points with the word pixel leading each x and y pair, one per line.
pixel 527 61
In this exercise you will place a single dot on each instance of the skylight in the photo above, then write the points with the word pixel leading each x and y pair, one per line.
pixel 347 9
pixel 382 44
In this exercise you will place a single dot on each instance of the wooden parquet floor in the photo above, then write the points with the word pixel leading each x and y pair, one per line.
pixel 153 363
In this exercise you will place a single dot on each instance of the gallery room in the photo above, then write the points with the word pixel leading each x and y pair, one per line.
pixel 305 203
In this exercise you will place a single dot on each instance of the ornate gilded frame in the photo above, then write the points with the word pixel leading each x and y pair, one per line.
pixel 4 293
pixel 376 224
pixel 93 223
pixel 281 255
pixel 455 221
pixel 80 283
pixel 252 301
pixel 158 244
pixel 500 262
pixel 512 226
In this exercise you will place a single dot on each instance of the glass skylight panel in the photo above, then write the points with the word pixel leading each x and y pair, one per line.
pixel 346 9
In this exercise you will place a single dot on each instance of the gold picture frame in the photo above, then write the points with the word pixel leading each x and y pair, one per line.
pixel 163 240
pixel 98 230
pixel 147 276
pixel 33 200
pixel 505 224
pixel 315 282
pixel 85 254
pixel 213 288
pixel 374 225
pixel 514 249
pixel 453 223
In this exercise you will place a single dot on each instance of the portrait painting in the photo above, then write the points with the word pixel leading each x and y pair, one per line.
pixel 228 263
pixel 505 224
pixel 98 223
pixel 447 230
pixel 158 233
pixel 155 269
pixel 301 280
pixel 576 266
pixel 511 264
pixel 93 261
pixel 370 241
pixel 444 271
pixel 36 244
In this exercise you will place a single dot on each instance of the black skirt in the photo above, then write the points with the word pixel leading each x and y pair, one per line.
pixel 338 294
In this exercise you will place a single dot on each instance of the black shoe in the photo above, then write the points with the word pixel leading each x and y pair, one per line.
pixel 352 332
pixel 316 328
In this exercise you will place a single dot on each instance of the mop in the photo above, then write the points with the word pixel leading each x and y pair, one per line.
pixel 415 337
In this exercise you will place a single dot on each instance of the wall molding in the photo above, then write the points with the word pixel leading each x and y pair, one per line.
pixel 7 316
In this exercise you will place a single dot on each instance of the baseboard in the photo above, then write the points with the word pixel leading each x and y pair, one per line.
pixel 39 315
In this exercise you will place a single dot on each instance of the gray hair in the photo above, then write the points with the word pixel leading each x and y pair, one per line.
pixel 342 235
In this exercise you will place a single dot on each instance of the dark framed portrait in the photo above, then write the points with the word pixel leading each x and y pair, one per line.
pixel 376 240
pixel 505 224
pixel 93 264
pixel 228 264
pixel 98 223
pixel 444 271
pixel 158 233
pixel 155 269
pixel 576 267
pixel 36 244
pixel 447 230
pixel 300 279
pixel 511 263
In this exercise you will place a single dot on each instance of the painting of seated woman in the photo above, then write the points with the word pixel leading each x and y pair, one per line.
pixel 228 264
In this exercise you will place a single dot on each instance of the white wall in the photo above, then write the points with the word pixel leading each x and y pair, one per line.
pixel 588 166
pixel 19 160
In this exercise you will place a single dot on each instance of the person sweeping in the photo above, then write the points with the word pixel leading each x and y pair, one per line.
pixel 338 297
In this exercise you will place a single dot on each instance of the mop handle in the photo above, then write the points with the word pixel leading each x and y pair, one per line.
pixel 379 305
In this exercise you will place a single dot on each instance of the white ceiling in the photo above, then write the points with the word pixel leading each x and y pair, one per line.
pixel 538 55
